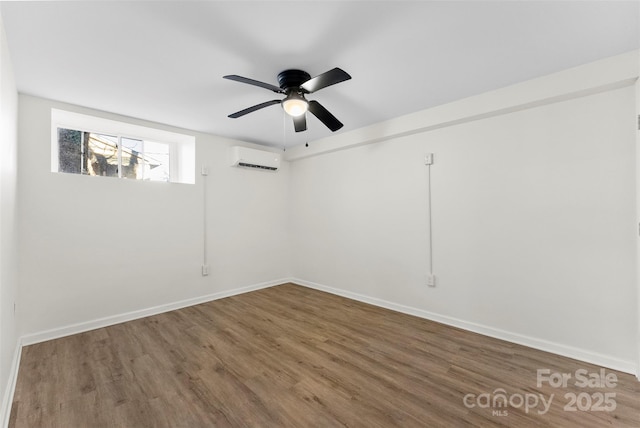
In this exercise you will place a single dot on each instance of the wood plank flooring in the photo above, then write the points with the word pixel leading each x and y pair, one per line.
pixel 288 356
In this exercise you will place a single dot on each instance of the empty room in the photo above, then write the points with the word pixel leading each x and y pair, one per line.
pixel 319 214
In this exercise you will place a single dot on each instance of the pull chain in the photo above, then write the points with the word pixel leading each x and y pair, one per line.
pixel 284 131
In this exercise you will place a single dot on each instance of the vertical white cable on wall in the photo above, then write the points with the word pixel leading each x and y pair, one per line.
pixel 430 225
pixel 431 279
pixel 205 257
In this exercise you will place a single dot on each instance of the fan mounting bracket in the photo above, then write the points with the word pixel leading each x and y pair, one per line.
pixel 292 78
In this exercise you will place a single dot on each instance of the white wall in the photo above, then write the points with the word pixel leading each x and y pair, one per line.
pixel 96 247
pixel 533 221
pixel 8 221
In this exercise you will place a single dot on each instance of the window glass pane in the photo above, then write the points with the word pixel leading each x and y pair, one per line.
pixel 132 162
pixel 102 154
pixel 156 161
pixel 69 151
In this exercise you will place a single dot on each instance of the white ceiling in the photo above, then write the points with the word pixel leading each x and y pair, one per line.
pixel 164 61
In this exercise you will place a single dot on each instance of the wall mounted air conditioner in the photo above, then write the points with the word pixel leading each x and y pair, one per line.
pixel 252 158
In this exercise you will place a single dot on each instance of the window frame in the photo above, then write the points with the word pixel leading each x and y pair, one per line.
pixel 181 146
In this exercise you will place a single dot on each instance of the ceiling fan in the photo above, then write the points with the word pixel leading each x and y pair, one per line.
pixel 295 84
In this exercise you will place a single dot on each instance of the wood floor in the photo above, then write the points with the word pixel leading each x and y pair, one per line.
pixel 288 356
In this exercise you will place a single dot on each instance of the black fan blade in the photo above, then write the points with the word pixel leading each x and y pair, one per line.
pixel 300 123
pixel 325 117
pixel 323 80
pixel 254 108
pixel 254 82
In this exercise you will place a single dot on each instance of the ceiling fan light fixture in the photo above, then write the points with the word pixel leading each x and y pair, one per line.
pixel 295 105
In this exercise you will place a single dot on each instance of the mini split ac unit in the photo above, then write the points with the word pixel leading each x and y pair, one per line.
pixel 252 158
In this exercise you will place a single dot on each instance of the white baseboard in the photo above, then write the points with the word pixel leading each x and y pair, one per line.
pixel 81 327
pixel 532 342
pixel 7 398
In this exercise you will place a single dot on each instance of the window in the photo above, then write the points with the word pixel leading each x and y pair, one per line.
pixel 89 145
pixel 88 153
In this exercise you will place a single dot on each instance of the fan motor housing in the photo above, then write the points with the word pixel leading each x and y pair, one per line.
pixel 292 78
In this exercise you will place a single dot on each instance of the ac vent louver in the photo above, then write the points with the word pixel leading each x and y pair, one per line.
pixel 250 165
